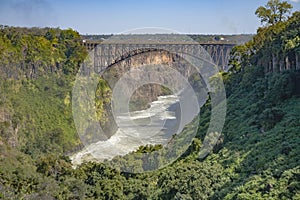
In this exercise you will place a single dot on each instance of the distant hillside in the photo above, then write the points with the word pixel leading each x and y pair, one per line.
pixel 236 39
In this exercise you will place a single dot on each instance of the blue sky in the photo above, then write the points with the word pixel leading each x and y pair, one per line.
pixel 115 16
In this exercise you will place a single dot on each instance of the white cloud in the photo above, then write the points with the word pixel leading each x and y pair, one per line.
pixel 295 1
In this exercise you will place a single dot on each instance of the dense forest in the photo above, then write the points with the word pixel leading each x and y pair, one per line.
pixel 256 157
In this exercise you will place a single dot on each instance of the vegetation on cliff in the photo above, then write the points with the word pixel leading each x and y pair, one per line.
pixel 257 156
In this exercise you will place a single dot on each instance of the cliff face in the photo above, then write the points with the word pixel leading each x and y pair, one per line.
pixel 34 72
pixel 148 92
pixel 29 70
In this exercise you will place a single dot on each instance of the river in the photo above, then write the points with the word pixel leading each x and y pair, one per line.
pixel 155 125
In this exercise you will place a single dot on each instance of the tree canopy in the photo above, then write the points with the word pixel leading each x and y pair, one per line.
pixel 275 11
pixel 256 157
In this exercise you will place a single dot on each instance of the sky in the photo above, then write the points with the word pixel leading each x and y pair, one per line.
pixel 117 16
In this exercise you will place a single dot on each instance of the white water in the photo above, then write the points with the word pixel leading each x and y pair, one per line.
pixel 151 126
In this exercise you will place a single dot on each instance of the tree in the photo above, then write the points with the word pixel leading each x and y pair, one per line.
pixel 275 11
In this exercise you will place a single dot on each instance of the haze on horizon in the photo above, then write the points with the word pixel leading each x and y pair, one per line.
pixel 111 17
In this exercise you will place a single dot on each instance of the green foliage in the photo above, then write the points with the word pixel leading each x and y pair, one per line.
pixel 275 11
pixel 274 48
pixel 149 148
pixel 49 126
pixel 280 87
pixel 32 52
pixel 257 156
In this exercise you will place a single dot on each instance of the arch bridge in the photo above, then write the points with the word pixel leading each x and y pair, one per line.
pixel 107 54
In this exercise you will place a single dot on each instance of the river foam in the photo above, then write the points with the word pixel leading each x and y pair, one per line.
pixel 154 125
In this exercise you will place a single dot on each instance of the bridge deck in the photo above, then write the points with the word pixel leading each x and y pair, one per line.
pixel 96 42
pixel 108 52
